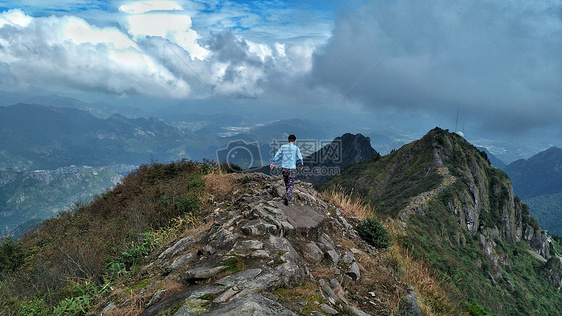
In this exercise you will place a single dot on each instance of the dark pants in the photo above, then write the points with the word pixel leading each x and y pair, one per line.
pixel 289 178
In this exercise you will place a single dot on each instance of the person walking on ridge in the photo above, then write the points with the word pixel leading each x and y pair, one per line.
pixel 290 156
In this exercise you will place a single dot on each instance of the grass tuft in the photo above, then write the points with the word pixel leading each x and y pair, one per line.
pixel 348 202
pixel 433 298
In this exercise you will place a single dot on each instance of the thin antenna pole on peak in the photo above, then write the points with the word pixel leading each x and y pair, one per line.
pixel 457 121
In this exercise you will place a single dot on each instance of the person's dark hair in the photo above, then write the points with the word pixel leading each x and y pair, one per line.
pixel 292 138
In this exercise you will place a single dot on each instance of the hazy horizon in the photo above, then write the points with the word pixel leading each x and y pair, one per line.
pixel 400 66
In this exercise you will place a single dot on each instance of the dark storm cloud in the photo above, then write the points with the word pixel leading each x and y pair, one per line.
pixel 497 60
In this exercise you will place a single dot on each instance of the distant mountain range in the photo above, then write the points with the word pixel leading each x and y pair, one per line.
pixel 538 181
pixel 539 175
pixel 33 196
pixel 98 109
pixel 64 132
pixel 35 136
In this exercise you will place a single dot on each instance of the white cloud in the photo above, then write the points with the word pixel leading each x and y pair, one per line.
pixel 158 18
pixel 80 32
pixel 14 17
pixel 160 24
pixel 67 52
pixel 261 50
pixel 139 55
pixel 147 6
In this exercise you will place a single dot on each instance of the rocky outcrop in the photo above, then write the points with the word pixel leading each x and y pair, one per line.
pixel 552 272
pixel 257 246
pixel 409 304
pixel 480 195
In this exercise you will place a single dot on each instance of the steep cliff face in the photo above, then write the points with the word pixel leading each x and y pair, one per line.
pixel 444 166
pixel 460 213
pixel 480 195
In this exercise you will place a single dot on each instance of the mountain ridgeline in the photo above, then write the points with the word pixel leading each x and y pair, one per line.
pixel 539 175
pixel 35 136
pixel 188 238
pixel 462 215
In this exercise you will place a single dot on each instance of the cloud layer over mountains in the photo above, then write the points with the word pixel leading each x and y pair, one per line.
pixel 493 59
pixel 498 61
pixel 150 53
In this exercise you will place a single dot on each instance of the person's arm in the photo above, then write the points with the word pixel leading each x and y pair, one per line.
pixel 276 158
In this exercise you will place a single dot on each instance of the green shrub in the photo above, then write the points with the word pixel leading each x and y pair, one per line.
pixel 186 204
pixel 372 232
pixel 34 308
pixel 86 296
pixel 476 310
pixel 11 255
pixel 135 254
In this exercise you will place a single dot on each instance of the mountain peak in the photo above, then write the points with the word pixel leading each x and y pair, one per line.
pixel 448 201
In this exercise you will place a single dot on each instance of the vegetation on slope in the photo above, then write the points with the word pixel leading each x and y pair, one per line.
pixel 386 182
pixel 70 261
pixel 547 209
pixel 434 297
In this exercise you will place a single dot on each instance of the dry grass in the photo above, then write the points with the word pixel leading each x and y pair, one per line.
pixel 303 291
pixel 305 297
pixel 367 262
pixel 133 307
pixel 348 202
pixel 377 291
pixel 219 185
pixel 171 286
pixel 345 243
pixel 433 298
pixel 322 272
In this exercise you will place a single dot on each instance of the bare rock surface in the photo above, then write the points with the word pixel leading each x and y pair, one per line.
pixel 257 245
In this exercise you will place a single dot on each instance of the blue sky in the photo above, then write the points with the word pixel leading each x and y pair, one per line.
pixel 497 61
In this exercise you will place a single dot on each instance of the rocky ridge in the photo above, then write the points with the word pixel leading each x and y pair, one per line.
pixel 462 214
pixel 260 257
pixel 477 187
